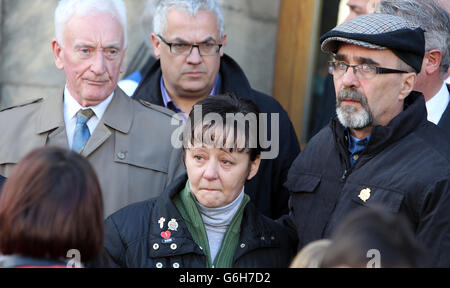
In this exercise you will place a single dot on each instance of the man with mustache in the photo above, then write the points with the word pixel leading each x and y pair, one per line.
pixel 127 142
pixel 188 40
pixel 380 149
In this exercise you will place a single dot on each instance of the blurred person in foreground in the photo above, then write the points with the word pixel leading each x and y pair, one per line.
pixel 51 211
pixel 380 149
pixel 311 256
pixel 374 238
pixel 204 219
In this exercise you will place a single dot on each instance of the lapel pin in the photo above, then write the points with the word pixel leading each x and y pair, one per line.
pixel 166 234
pixel 161 222
pixel 173 225
pixel 364 194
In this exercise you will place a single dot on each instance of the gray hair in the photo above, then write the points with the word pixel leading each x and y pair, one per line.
pixel 430 17
pixel 66 9
pixel 189 6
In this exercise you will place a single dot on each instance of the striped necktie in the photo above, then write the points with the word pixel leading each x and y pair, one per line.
pixel 82 134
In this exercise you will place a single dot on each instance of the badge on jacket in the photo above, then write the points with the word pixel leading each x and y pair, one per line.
pixel 364 194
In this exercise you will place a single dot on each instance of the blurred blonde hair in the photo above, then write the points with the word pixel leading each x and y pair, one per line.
pixel 311 255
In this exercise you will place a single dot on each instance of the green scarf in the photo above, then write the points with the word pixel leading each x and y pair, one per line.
pixel 185 203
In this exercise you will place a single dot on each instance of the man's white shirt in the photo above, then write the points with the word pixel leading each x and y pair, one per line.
pixel 436 106
pixel 71 107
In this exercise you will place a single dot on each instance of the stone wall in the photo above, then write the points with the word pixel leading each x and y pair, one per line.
pixel 27 69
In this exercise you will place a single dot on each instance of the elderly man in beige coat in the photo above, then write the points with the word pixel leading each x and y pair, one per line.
pixel 127 142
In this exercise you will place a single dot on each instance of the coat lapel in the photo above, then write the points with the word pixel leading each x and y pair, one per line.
pixel 118 117
pixel 51 121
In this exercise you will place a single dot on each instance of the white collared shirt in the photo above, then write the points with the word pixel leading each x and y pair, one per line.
pixel 436 106
pixel 71 107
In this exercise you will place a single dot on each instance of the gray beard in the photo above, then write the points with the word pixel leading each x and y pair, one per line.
pixel 352 117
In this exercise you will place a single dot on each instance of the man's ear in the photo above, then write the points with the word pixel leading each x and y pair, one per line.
pixel 432 60
pixel 409 80
pixel 224 43
pixel 58 54
pixel 156 45
pixel 254 166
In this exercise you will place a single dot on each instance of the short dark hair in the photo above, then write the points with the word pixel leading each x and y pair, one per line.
pixel 224 106
pixel 375 228
pixel 50 204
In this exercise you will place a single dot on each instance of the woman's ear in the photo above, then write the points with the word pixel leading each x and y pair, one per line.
pixel 254 166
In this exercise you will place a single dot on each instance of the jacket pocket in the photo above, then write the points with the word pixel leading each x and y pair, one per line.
pixel 149 161
pixel 304 183
pixel 390 200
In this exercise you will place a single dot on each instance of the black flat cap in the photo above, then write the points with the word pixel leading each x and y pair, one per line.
pixel 380 31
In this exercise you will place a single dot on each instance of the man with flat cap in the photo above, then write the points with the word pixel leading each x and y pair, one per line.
pixel 380 149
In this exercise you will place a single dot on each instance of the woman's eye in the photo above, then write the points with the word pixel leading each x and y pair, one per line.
pixel 198 157
pixel 226 162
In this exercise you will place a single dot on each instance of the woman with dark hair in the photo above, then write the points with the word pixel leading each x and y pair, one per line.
pixel 204 219
pixel 51 208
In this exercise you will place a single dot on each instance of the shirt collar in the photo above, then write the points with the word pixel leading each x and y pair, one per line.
pixel 437 104
pixel 71 106
pixel 168 102
pixel 356 145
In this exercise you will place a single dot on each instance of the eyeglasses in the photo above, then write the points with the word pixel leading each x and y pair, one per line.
pixel 185 49
pixel 362 71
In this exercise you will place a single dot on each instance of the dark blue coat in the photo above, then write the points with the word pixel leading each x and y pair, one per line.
pixel 133 238
pixel 266 188
pixel 406 166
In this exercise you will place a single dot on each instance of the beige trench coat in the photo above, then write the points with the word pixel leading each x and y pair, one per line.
pixel 130 149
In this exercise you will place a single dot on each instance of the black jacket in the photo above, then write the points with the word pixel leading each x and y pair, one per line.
pixel 133 238
pixel 444 123
pixel 266 188
pixel 406 165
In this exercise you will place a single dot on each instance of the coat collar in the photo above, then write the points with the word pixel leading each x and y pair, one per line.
pixel 119 114
pixel 51 114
